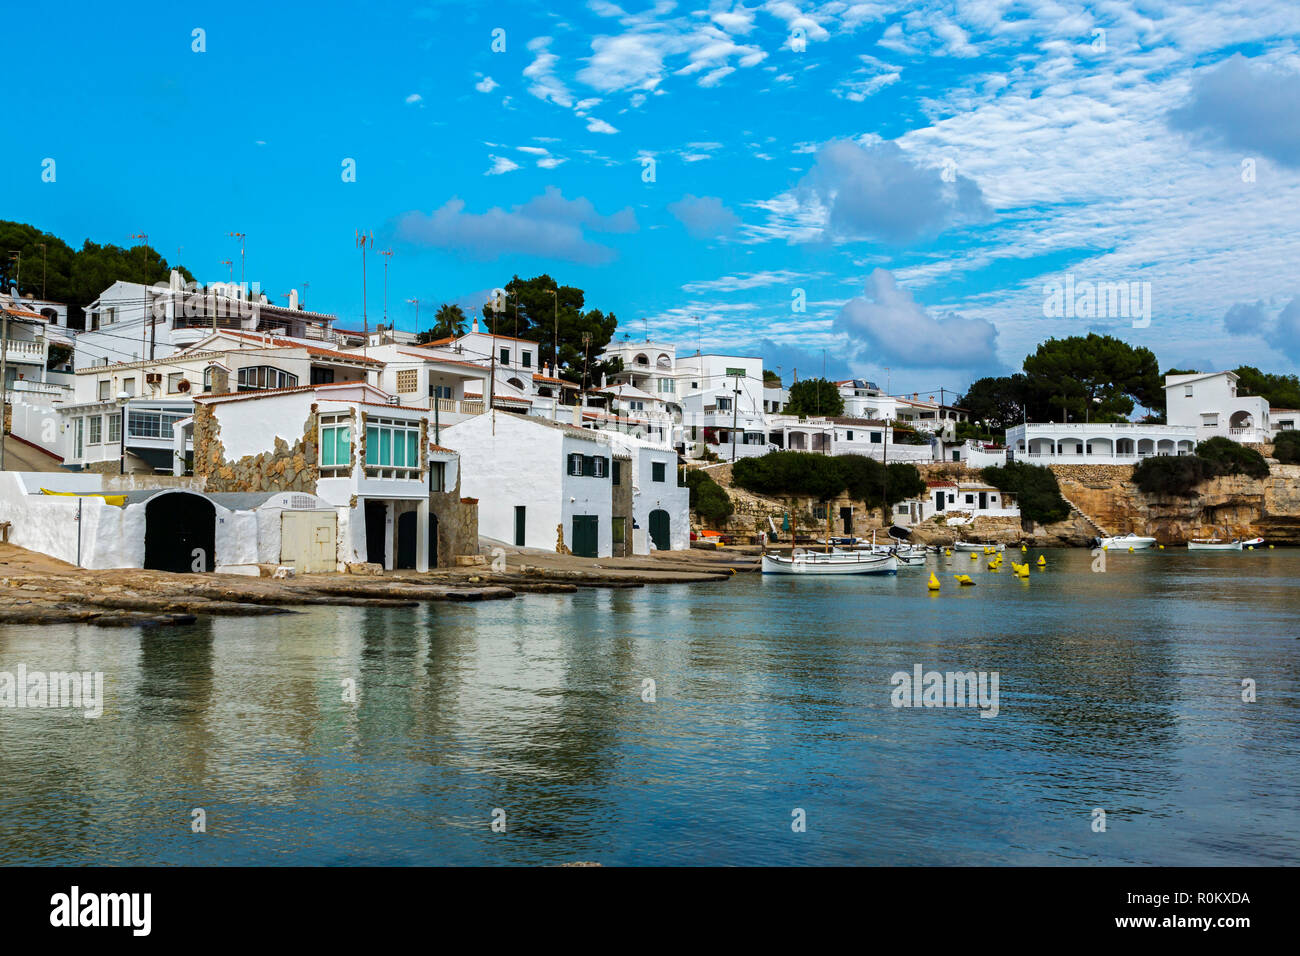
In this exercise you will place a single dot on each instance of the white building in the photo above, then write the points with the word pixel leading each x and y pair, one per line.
pixel 158 396
pixel 660 505
pixel 721 394
pixel 1209 402
pixel 26 345
pixel 1098 443
pixel 959 502
pixel 539 483
pixel 366 456
pixel 132 322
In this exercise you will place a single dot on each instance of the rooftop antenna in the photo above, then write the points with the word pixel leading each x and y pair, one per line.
pixel 699 341
pixel 387 254
pixel 647 329
pixel 241 237
pixel 364 239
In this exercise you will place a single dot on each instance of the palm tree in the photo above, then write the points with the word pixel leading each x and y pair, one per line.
pixel 448 322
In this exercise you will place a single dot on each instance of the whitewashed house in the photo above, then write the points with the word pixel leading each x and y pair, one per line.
pixel 1209 402
pixel 133 322
pixel 540 484
pixel 660 505
pixel 157 397
pixel 1097 443
pixel 959 502
pixel 719 395
pixel 350 444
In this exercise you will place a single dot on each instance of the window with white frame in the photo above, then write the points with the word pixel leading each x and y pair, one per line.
pixel 438 476
pixel 114 428
pixel 1187 391
pixel 392 448
pixel 94 430
pixel 335 445
pixel 260 377
pixel 105 391
pixel 174 382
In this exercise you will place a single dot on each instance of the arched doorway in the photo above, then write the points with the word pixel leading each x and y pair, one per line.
pixel 659 530
pixel 406 528
pixel 180 532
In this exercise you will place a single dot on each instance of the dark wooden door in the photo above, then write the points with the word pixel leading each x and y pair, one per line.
pixel 585 535
pixel 659 530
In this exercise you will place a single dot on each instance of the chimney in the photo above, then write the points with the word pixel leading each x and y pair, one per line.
pixel 475 327
pixel 293 299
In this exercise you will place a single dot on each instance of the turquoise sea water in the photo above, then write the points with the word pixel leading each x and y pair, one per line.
pixel 1119 691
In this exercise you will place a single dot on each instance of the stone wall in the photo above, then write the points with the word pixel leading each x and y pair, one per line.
pixel 285 468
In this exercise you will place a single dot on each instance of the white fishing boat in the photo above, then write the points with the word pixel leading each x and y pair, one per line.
pixel 1253 542
pixel 977 546
pixel 830 562
pixel 1214 544
pixel 1123 541
pixel 908 555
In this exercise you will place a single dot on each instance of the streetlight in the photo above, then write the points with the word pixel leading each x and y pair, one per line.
pixel 241 237
pixel 416 303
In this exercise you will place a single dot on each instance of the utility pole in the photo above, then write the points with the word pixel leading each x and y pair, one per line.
pixel 305 287
pixel 145 317
pixel 555 365
pixel 362 240
pixel 4 376
pixel 387 254
pixel 735 416
pixel 241 237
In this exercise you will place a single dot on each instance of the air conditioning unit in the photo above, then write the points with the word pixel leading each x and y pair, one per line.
pixel 153 378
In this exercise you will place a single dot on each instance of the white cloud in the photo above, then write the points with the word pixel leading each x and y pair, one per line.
pixel 414 98
pixel 599 126
pixel 501 164
pixel 486 85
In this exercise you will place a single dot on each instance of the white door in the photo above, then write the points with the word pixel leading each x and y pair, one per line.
pixel 308 540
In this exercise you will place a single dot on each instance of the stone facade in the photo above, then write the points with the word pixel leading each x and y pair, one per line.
pixel 285 468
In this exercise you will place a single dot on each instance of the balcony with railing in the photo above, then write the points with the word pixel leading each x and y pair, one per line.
pixel 26 351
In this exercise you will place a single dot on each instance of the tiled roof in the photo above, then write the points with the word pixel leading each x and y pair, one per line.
pixel 282 342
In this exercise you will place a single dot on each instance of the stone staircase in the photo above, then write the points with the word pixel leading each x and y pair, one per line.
pixel 1101 532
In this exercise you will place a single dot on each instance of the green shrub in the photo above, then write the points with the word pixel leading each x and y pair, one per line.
pixel 808 474
pixel 1035 488
pixel 708 499
pixel 1286 447
pixel 1170 475
pixel 1226 457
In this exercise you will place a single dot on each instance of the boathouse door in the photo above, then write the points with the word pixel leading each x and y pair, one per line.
pixel 520 524
pixel 406 540
pixel 433 541
pixel 308 540
pixel 180 532
pixel 938 501
pixel 585 535
pixel 377 532
pixel 984 500
pixel 846 515
pixel 659 528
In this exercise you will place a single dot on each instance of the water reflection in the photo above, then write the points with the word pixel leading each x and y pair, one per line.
pixel 1119 690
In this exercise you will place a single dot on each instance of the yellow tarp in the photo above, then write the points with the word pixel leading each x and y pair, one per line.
pixel 118 500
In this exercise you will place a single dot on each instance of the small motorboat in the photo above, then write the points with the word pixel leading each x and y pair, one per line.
pixel 908 555
pixel 830 562
pixel 1253 542
pixel 977 546
pixel 1135 541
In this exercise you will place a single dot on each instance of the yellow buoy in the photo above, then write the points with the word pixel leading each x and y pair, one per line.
pixel 1161 547
pixel 964 580
pixel 1130 547
pixel 1042 561
pixel 934 582
pixel 1250 547
pixel 1270 547
pixel 1023 549
pixel 974 556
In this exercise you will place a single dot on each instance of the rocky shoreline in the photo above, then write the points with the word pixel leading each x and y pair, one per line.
pixel 36 589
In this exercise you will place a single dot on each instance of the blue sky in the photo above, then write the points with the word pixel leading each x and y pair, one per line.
pixel 921 172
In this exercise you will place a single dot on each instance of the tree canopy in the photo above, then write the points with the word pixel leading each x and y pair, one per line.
pixel 998 402
pixel 448 322
pixel 1282 391
pixel 44 266
pixel 1093 376
pixel 801 473
pixel 815 396
pixel 540 310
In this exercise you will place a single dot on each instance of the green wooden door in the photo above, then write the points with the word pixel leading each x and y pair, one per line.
pixel 659 529
pixel 585 536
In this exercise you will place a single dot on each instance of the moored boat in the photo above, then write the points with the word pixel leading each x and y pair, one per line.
pixel 1214 544
pixel 1135 541
pixel 977 546
pixel 830 562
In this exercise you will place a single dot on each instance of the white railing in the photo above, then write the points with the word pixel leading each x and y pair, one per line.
pixel 17 348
